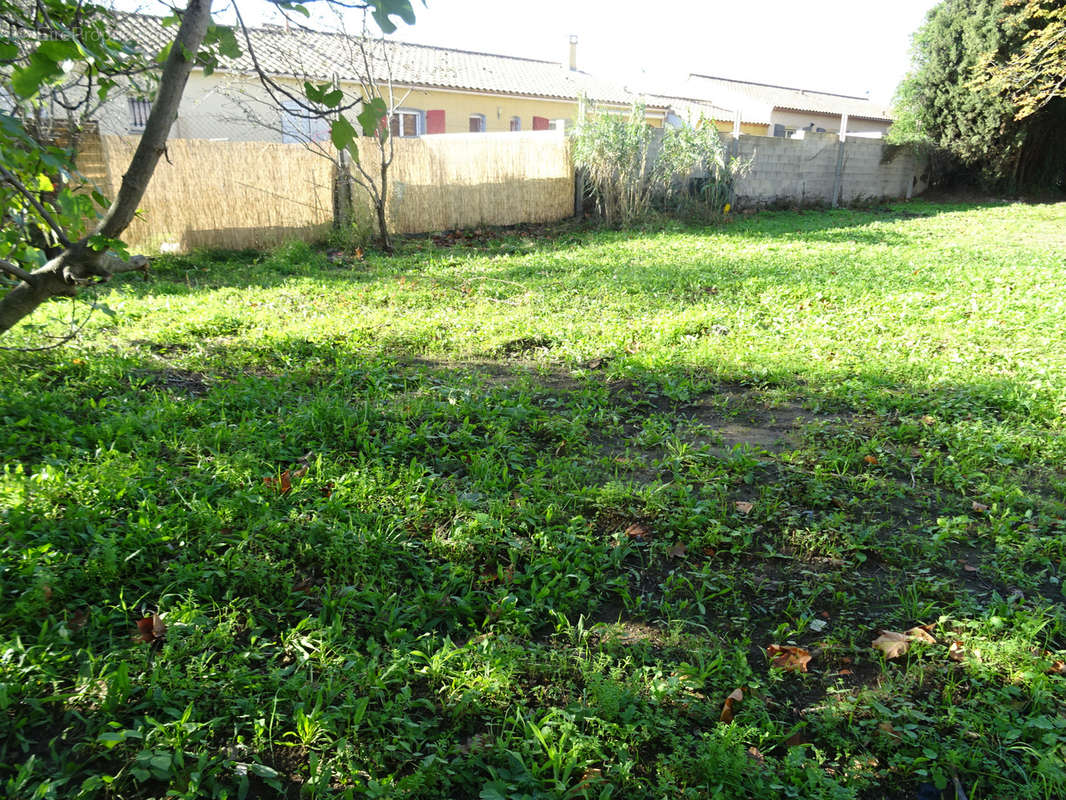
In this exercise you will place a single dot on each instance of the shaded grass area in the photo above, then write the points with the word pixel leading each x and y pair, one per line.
pixel 553 493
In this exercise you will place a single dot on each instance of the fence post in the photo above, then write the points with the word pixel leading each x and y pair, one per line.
pixel 579 194
pixel 839 174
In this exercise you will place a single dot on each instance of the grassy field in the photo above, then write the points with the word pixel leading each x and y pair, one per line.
pixel 511 515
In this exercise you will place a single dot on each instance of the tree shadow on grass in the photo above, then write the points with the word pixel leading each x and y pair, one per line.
pixel 447 524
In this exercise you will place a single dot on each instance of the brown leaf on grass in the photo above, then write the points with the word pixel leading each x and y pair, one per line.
pixel 743 506
pixel 281 484
pixel 151 628
pixel 755 755
pixel 727 709
pixel 299 473
pixel 980 508
pixel 922 634
pixel 638 532
pixel 969 568
pixel 894 644
pixel 327 489
pixel 887 729
pixel 870 459
pixel 797 739
pixel 596 363
pixel 788 657
pixel 844 672
pixel 1057 668
pixel 956 651
pixel 678 550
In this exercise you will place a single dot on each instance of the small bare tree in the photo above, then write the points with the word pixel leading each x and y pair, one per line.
pixel 363 80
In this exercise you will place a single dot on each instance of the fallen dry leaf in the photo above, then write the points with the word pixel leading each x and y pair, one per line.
pixel 727 709
pixel 922 633
pixel 844 672
pixel 886 728
pixel 596 363
pixel 956 651
pixel 1057 668
pixel 797 739
pixel 638 532
pixel 151 628
pixel 755 755
pixel 969 568
pixel 678 550
pixel 788 657
pixel 282 483
pixel 980 508
pixel 870 459
pixel 743 506
pixel 894 644
pixel 299 473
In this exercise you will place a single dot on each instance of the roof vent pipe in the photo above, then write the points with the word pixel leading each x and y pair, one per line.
pixel 573 52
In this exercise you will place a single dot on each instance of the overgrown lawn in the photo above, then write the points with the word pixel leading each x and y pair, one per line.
pixel 512 514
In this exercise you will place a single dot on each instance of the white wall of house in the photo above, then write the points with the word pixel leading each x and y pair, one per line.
pixel 220 106
pixel 797 120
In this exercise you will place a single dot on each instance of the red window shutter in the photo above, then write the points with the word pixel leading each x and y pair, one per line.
pixel 540 123
pixel 435 121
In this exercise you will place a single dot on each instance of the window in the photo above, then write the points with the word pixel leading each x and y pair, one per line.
pixel 477 123
pixel 139 111
pixel 406 122
pixel 296 126
pixel 516 123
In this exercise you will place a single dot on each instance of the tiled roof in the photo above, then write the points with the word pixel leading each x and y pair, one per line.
pixel 322 56
pixel 691 109
pixel 728 92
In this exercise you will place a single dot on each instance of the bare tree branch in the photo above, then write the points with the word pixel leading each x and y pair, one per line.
pixel 16 271
pixel 46 215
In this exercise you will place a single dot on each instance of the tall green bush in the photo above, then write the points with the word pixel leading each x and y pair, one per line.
pixel 690 173
pixel 693 173
pixel 612 151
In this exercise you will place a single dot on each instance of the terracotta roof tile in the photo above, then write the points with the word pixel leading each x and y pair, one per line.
pixel 322 56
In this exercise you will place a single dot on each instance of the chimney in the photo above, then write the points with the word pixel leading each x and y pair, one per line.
pixel 573 52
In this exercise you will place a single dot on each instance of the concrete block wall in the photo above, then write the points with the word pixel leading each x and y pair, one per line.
pixel 804 171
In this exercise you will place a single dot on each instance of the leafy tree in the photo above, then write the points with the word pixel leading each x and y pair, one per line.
pixel 61 54
pixel 969 90
pixel 1034 75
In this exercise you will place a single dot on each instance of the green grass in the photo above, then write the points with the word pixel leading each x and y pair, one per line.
pixel 512 563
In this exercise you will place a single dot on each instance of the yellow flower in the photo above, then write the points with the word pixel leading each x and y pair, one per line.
pixel 726 209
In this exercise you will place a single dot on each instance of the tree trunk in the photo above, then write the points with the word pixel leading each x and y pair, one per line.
pixel 80 263
pixel 383 228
